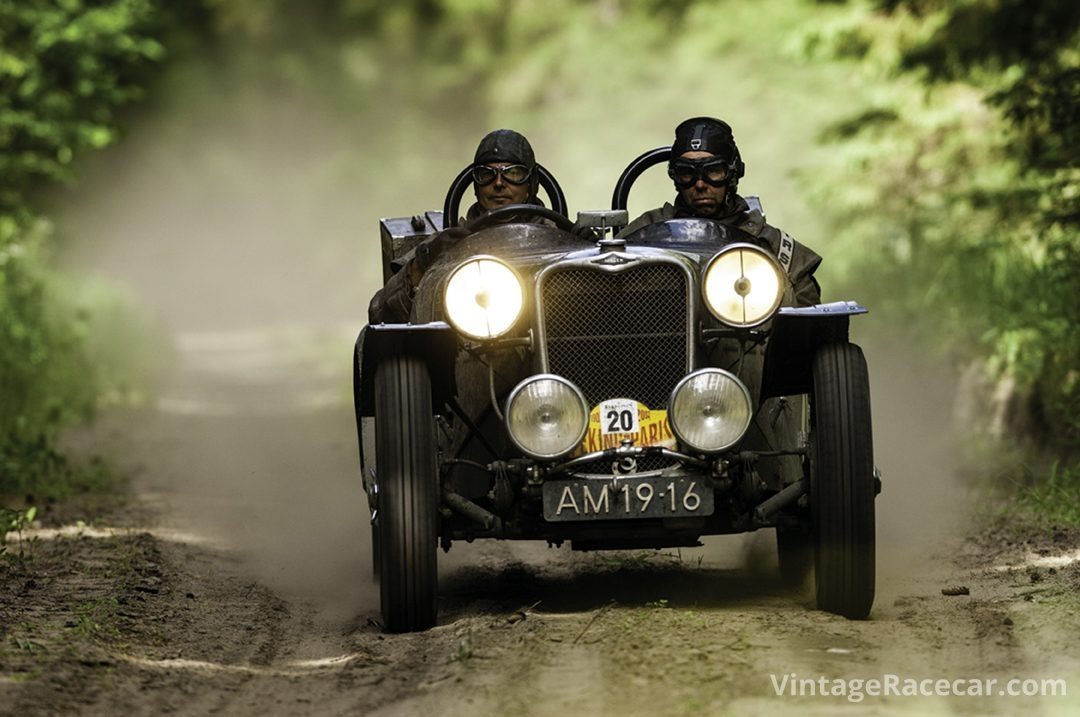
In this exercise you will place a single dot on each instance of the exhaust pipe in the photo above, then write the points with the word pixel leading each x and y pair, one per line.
pixel 770 507
pixel 463 506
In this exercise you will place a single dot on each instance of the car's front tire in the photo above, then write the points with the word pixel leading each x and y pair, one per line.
pixel 407 476
pixel 842 481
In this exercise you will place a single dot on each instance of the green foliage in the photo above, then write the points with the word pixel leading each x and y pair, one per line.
pixel 1054 497
pixel 40 343
pixel 1040 498
pixel 61 357
pixel 1027 57
pixel 39 358
pixel 958 186
pixel 97 619
pixel 66 67
pixel 16 521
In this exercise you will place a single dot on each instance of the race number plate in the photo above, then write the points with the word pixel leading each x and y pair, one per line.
pixel 626 498
pixel 618 415
pixel 618 419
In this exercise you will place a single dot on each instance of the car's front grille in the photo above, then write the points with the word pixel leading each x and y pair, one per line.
pixel 618 334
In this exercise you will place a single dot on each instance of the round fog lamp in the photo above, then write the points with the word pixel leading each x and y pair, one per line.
pixel 743 285
pixel 483 298
pixel 710 410
pixel 546 416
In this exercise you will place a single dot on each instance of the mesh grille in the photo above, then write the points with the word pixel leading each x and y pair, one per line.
pixel 618 334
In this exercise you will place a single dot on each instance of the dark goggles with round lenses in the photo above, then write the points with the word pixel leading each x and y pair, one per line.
pixel 483 175
pixel 686 172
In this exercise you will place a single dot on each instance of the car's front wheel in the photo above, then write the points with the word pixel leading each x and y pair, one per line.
pixel 842 481
pixel 406 524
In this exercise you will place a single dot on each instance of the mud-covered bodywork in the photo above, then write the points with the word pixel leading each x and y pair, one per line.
pixel 625 326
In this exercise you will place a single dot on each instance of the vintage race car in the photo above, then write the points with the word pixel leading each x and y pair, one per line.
pixel 614 393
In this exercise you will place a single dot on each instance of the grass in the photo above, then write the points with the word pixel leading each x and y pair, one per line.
pixel 1025 496
pixel 97 618
pixel 37 472
pixel 1048 499
pixel 1055 496
pixel 15 521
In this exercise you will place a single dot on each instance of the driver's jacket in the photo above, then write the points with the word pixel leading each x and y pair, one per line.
pixel 798 261
pixel 393 303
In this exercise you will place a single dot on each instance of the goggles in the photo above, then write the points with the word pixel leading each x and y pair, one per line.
pixel 714 171
pixel 483 175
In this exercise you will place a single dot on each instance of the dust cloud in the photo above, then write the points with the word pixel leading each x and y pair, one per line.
pixel 924 506
pixel 244 225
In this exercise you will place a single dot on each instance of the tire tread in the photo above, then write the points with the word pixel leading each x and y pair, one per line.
pixel 406 471
pixel 842 487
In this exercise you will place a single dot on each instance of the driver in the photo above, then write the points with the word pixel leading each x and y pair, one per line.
pixel 706 167
pixel 503 173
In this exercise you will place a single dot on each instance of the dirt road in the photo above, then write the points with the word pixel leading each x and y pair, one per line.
pixel 238 583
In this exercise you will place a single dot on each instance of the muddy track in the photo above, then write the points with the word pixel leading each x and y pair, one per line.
pixel 240 585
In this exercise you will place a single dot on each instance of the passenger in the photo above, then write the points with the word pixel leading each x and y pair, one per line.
pixel 503 173
pixel 706 167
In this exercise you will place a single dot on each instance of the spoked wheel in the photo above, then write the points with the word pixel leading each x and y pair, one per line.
pixel 842 481
pixel 406 525
pixel 795 553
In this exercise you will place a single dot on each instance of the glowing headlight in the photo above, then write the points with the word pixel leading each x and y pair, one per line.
pixel 483 298
pixel 743 285
pixel 546 416
pixel 710 410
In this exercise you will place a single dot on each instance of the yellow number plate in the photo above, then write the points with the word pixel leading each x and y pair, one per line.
pixel 620 418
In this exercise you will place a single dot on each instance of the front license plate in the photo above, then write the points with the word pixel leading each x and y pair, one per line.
pixel 626 497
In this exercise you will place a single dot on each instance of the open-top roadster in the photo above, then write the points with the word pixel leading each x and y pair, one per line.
pixel 614 393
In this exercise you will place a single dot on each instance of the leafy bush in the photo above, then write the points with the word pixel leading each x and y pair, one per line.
pixel 957 184
pixel 65 69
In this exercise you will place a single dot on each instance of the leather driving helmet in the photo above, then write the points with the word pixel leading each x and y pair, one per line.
pixel 708 134
pixel 506 145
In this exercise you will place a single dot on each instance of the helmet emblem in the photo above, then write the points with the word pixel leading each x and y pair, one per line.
pixel 695 144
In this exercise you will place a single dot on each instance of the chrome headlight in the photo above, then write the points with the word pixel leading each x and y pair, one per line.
pixel 710 410
pixel 546 416
pixel 483 298
pixel 743 285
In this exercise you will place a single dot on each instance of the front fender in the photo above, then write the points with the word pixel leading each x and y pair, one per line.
pixel 795 337
pixel 436 343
